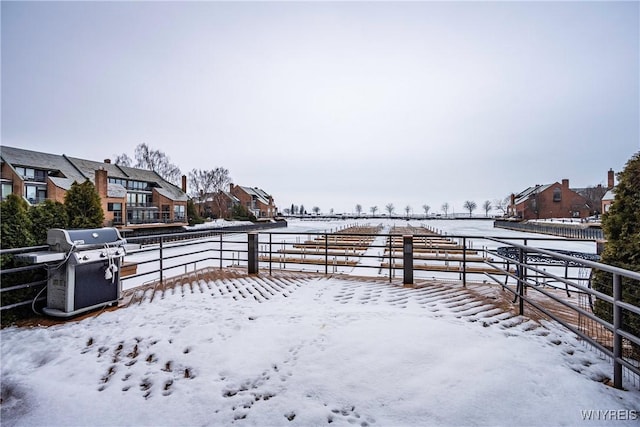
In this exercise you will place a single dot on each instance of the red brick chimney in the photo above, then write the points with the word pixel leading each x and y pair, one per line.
pixel 184 183
pixel 108 161
pixel 230 187
pixel 101 182
pixel 565 183
pixel 610 179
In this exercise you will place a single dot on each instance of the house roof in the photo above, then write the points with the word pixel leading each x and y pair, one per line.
pixel 172 192
pixel 231 196
pixel 525 194
pixel 609 195
pixel 116 190
pixel 89 167
pixel 259 193
pixel 64 183
pixel 209 197
pixel 49 162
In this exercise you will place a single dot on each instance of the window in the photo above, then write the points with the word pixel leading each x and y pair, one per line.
pixel 30 174
pixel 35 193
pixel 137 185
pixel 30 193
pixel 27 174
pixel 178 213
pixel 119 181
pixel 139 199
pixel 557 195
pixel 165 213
pixel 116 208
pixel 7 188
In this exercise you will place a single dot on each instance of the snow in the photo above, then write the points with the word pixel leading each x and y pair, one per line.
pixel 300 350
pixel 216 223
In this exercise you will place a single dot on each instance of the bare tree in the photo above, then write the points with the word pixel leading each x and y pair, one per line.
pixel 316 210
pixel 470 206
pixel 445 208
pixel 373 210
pixel 157 161
pixel 153 160
pixel 123 160
pixel 358 209
pixel 502 205
pixel 426 210
pixel 389 207
pixel 407 209
pixel 208 185
pixel 594 197
pixel 487 207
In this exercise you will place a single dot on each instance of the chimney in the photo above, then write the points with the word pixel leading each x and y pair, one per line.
pixel 565 183
pixel 610 179
pixel 230 187
pixel 107 161
pixel 184 183
pixel 101 182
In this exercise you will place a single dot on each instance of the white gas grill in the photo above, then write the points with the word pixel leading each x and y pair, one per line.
pixel 84 269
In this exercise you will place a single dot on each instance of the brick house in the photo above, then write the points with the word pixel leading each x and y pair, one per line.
pixel 217 205
pixel 131 198
pixel 607 199
pixel 256 200
pixel 555 200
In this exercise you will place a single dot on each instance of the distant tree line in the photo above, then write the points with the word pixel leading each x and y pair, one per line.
pixel 469 205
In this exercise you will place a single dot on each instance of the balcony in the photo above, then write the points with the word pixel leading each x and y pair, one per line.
pixel 146 221
pixel 141 206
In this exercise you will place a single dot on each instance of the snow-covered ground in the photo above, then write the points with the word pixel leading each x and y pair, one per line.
pixel 304 352
pixel 216 223
pixel 294 350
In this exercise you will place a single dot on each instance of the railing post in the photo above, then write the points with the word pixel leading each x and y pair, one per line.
pixel 326 253
pixel 270 253
pixel 161 262
pixel 520 287
pixel 252 257
pixel 220 252
pixel 464 262
pixel 390 257
pixel 407 260
pixel 617 325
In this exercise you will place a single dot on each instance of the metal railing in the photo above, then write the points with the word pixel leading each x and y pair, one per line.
pixel 575 231
pixel 529 277
pixel 533 277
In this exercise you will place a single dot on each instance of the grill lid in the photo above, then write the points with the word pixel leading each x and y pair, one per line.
pixel 60 240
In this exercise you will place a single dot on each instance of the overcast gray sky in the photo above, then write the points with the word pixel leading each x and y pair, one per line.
pixel 333 104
